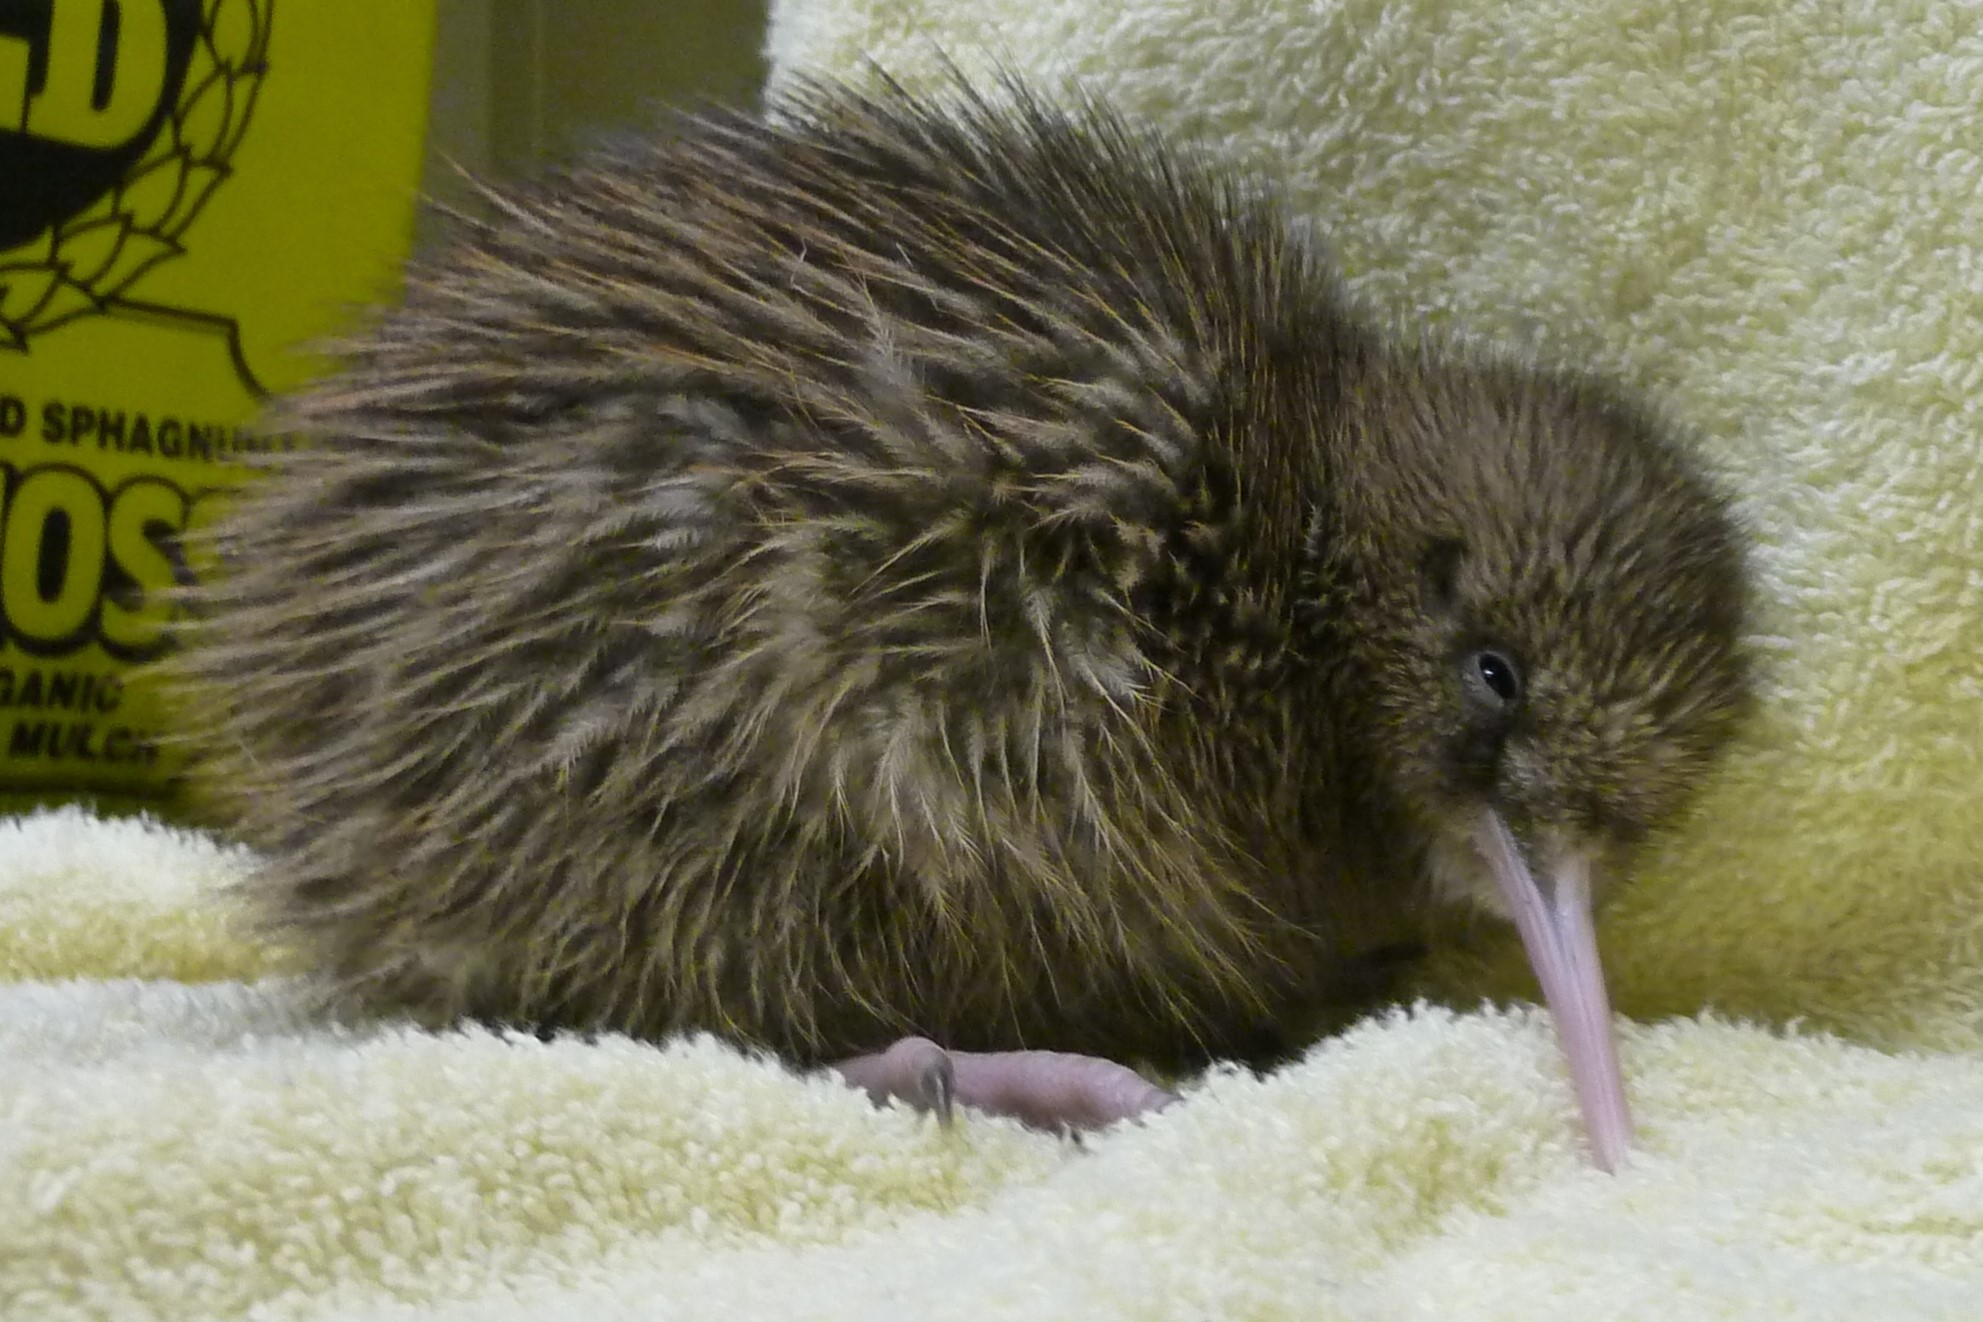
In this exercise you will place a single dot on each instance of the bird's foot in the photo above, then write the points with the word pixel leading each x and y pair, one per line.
pixel 1045 1089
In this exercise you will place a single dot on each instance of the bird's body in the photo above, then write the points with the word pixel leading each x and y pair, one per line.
pixel 921 566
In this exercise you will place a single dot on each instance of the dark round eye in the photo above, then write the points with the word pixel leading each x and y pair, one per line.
pixel 1494 676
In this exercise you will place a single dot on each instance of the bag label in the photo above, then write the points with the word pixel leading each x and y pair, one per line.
pixel 194 192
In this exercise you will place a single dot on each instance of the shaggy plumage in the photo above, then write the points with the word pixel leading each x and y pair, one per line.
pixel 934 565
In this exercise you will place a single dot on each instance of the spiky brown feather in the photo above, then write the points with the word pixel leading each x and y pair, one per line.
pixel 922 564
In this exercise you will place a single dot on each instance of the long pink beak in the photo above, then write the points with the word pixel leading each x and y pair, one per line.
pixel 1562 948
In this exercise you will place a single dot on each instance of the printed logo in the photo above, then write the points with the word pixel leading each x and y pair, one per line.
pixel 117 122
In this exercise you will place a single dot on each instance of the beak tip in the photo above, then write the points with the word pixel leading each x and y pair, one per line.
pixel 1611 1143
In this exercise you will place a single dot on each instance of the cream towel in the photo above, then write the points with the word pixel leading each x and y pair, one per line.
pixel 192 1151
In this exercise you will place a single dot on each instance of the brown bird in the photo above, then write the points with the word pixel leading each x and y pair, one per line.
pixel 946 567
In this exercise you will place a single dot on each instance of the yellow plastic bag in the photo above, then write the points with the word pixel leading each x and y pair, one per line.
pixel 191 192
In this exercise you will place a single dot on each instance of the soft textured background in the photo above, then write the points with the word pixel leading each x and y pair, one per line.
pixel 1770 214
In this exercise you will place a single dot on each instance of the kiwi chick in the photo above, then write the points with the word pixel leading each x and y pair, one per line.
pixel 949 567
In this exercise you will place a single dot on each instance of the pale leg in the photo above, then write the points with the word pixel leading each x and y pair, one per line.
pixel 1045 1089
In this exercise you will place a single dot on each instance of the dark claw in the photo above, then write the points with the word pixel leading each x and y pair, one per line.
pixel 936 1084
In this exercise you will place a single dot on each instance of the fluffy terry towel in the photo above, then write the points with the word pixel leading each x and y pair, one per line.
pixel 1771 215
pixel 173 1144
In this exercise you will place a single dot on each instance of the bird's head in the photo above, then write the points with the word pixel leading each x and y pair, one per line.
pixel 1545 612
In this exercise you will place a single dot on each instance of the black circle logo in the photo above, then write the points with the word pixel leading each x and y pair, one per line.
pixel 84 87
pixel 118 120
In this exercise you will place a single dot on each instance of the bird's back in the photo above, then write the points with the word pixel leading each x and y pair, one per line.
pixel 725 596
